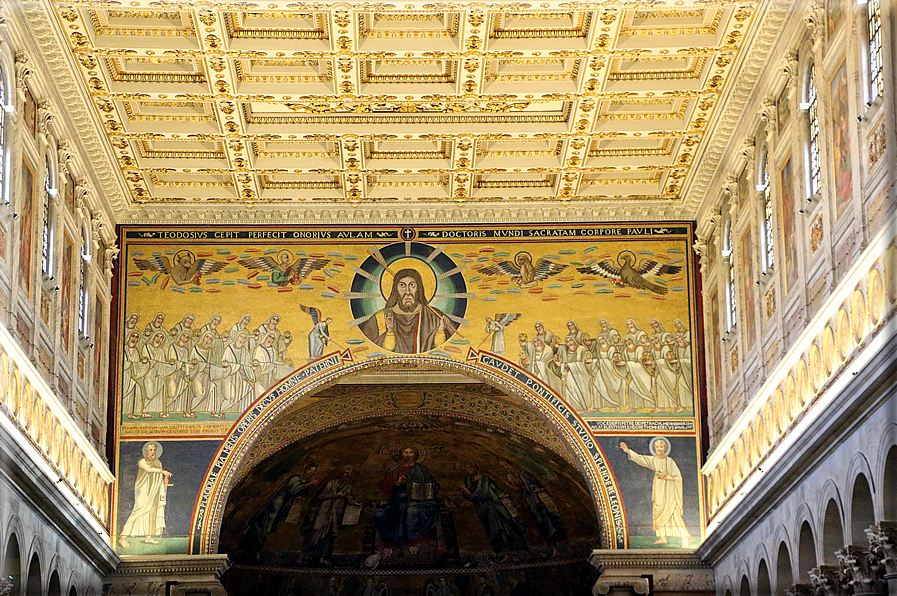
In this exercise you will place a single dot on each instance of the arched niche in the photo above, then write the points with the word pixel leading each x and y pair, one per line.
pixel 889 487
pixel 245 444
pixel 745 588
pixel 764 586
pixel 784 573
pixel 862 510
pixel 806 552
pixel 33 585
pixel 54 588
pixel 12 562
pixel 832 533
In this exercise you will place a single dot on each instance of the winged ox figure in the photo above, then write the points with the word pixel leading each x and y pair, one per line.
pixel 186 269
pixel 626 273
pixel 523 271
pixel 285 270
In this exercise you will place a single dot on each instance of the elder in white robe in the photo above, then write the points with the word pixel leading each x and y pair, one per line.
pixel 133 370
pixel 542 359
pixel 236 387
pixel 666 492
pixel 148 515
pixel 265 357
pixel 155 354
pixel 608 388
pixel 575 375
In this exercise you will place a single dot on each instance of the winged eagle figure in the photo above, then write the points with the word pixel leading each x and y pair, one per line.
pixel 627 273
pixel 505 319
pixel 285 270
pixel 523 272
pixel 187 269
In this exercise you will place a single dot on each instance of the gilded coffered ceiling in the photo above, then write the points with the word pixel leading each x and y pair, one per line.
pixel 301 103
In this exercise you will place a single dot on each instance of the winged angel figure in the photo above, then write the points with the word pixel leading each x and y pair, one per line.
pixel 285 270
pixel 187 269
pixel 319 336
pixel 627 273
pixel 496 328
pixel 523 272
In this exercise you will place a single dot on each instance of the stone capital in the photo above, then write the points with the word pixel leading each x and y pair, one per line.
pixel 194 574
pixel 864 574
pixel 883 544
pixel 830 580
pixel 801 590
pixel 618 584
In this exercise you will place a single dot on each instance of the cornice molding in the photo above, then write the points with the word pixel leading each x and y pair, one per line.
pixel 143 567
pixel 398 215
pixel 773 25
pixel 47 54
pixel 646 558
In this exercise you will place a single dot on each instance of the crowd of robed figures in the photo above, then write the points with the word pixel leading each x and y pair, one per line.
pixel 187 368
pixel 610 371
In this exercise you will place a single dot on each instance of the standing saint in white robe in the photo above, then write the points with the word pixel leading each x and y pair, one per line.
pixel 542 359
pixel 237 386
pixel 575 375
pixel 666 492
pixel 265 358
pixel 148 515
pixel 133 370
pixel 608 389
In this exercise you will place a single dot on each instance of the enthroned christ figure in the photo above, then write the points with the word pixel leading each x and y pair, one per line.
pixel 408 324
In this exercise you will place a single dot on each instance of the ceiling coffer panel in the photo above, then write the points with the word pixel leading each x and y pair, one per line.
pixel 280 103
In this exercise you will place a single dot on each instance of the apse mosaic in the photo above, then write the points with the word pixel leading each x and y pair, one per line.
pixel 597 319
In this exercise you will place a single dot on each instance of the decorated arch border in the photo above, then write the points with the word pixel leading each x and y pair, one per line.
pixel 492 369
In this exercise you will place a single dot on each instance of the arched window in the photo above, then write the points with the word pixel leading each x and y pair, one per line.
pixel 83 296
pixel 814 170
pixel 728 253
pixel 50 191
pixel 768 235
pixel 873 32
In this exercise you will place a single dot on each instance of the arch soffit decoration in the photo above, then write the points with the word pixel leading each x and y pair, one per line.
pixel 13 528
pixel 54 566
pixel 782 538
pixel 726 586
pixel 328 370
pixel 859 466
pixel 828 493
pixel 761 553
pixel 744 572
pixel 36 549
pixel 888 441
pixel 335 408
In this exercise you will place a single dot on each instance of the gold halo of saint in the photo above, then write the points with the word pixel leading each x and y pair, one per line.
pixel 285 255
pixel 184 253
pixel 652 445
pixel 158 449
pixel 426 273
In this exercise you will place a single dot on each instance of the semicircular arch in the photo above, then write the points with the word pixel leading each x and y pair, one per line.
pixel 328 370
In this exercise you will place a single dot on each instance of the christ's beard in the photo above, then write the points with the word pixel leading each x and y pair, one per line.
pixel 408 303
